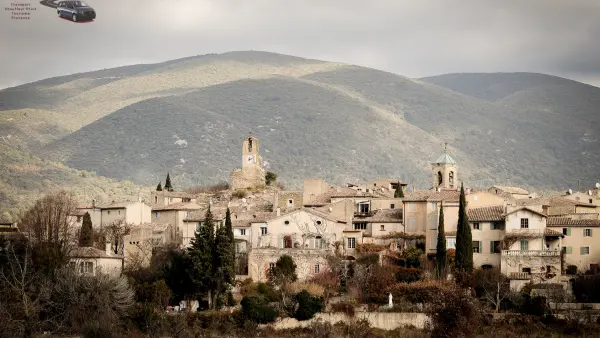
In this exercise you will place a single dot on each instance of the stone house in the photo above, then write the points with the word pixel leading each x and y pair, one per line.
pixel 163 198
pixel 91 261
pixel 581 241
pixel 513 192
pixel 487 230
pixel 140 243
pixel 129 212
pixel 174 214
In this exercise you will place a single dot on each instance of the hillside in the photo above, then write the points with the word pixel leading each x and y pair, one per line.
pixel 314 118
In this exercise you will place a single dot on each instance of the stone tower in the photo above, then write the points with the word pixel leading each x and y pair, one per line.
pixel 252 173
pixel 445 172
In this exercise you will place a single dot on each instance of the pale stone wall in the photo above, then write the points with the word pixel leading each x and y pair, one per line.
pixel 483 199
pixel 284 198
pixel 380 320
pixel 575 240
pixel 313 187
pixel 486 235
pixel 259 260
pixel 112 266
pixel 432 221
pixel 415 214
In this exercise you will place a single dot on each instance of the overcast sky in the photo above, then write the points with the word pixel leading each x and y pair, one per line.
pixel 414 37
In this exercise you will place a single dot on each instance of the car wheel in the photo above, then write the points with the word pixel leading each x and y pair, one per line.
pixel 74 17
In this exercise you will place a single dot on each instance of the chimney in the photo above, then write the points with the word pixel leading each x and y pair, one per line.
pixel 108 249
pixel 93 204
pixel 278 212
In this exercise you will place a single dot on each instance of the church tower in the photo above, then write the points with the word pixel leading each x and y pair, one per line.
pixel 445 171
pixel 252 173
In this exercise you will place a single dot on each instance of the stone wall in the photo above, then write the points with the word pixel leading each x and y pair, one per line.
pixel 380 320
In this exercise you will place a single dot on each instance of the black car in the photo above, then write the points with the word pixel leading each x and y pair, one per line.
pixel 75 10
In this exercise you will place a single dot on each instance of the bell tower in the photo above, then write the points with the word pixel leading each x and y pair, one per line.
pixel 445 171
pixel 250 156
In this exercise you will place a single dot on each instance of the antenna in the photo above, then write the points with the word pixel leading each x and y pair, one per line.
pixel 446 147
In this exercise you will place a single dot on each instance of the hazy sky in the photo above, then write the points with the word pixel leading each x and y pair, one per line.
pixel 413 38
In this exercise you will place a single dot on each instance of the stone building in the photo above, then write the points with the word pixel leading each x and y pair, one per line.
pixel 252 174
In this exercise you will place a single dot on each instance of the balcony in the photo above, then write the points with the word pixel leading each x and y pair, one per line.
pixel 519 275
pixel 363 213
pixel 537 253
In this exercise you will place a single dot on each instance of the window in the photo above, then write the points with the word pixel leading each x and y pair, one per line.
pixel 108 212
pixel 287 242
pixel 392 206
pixel 382 227
pixel 243 232
pixel 363 207
pixel 271 267
pixel 476 246
pixel 360 226
pixel 187 213
pixel 263 231
pixel 475 198
pixel 495 247
pixel 497 226
pixel 86 268
pixel 587 232
pixel 524 245
pixel 290 203
pixel 524 223
pixel 318 222
pixel 119 212
pixel 567 231
pixel 317 268
pixel 433 205
pixel 584 250
pixel 590 201
pixel 450 243
pixel 286 222
pixel 186 199
pixel 157 214
pixel 526 270
pixel 568 250
pixel 475 226
pixel 351 243
pixel 155 199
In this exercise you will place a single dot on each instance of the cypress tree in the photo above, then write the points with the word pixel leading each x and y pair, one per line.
pixel 399 193
pixel 86 236
pixel 159 187
pixel 464 240
pixel 168 185
pixel 223 257
pixel 201 255
pixel 440 255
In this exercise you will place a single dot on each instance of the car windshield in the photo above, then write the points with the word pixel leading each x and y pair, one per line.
pixel 80 4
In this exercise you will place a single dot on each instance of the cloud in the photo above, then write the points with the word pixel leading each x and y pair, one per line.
pixel 413 38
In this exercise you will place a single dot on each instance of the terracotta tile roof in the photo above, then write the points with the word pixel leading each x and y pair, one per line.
pixel 565 221
pixel 550 232
pixel 117 205
pixel 445 195
pixel 417 196
pixel 179 206
pixel 512 190
pixel 336 192
pixel 89 252
pixel 492 213
pixel 383 216
pixel 529 209
pixel 552 201
pixel 450 233
pixel 176 194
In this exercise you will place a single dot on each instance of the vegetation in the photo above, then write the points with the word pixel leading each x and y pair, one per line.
pixel 440 254
pixel 464 240
pixel 168 185
pixel 270 177
pixel 86 236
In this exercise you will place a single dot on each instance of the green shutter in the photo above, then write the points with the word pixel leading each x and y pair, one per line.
pixel 568 231
pixel 590 232
pixel 581 251
pixel 568 250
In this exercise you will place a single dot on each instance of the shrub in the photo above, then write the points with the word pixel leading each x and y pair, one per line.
pixel 585 288
pixel 240 193
pixel 571 270
pixel 307 305
pixel 453 312
pixel 312 288
pixel 321 329
pixel 256 308
pixel 268 292
pixel 270 177
pixel 407 275
pixel 343 307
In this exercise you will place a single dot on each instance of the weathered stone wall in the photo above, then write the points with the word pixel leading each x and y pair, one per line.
pixel 380 320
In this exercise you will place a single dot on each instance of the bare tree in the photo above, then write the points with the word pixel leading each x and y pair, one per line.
pixel 495 286
pixel 114 233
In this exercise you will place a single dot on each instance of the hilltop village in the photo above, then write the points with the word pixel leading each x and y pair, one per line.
pixel 529 240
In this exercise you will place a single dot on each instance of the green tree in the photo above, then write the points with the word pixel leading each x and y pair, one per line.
pixel 201 256
pixel 284 271
pixel 440 255
pixel 270 177
pixel 86 236
pixel 159 187
pixel 464 240
pixel 168 185
pixel 223 259
pixel 399 193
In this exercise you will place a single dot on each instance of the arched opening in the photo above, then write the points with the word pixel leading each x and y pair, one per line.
pixel 440 178
pixel 249 144
pixel 451 178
